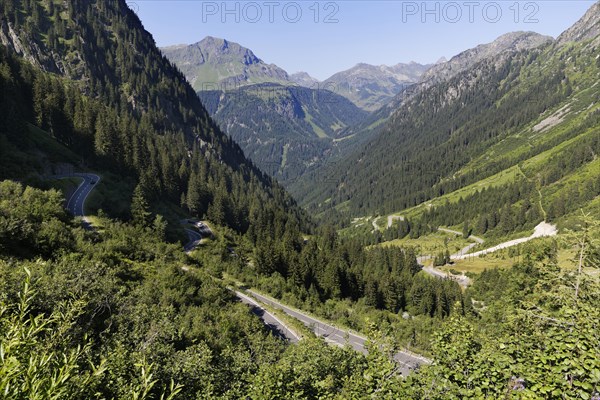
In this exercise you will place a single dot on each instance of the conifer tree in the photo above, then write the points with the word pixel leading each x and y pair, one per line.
pixel 140 213
pixel 466 232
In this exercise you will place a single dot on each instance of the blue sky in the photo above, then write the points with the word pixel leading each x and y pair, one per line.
pixel 324 37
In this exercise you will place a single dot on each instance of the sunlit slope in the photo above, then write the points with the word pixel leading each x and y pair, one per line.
pixel 524 128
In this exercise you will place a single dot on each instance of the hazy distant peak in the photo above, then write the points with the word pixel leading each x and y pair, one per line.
pixel 371 86
pixel 304 79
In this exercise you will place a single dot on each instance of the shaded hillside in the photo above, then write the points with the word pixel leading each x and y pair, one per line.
pixel 95 81
pixel 285 129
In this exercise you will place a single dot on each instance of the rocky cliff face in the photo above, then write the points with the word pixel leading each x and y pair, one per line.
pixel 504 45
pixel 587 28
pixel 496 52
pixel 33 51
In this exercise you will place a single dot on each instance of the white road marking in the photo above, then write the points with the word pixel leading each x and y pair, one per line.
pixel 354 340
pixel 249 299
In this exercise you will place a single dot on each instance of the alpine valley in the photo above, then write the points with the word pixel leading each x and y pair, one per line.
pixel 193 223
pixel 288 124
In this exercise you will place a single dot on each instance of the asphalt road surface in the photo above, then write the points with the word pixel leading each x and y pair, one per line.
pixel 76 202
pixel 408 361
pixel 278 327
pixel 273 323
pixel 391 219
pixel 195 236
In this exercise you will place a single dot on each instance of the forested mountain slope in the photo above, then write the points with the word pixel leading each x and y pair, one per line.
pixel 95 81
pixel 285 129
pixel 371 126
pixel 98 315
pixel 288 125
pixel 259 232
pixel 522 108
pixel 118 313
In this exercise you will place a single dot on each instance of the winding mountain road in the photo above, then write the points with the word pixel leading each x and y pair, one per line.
pixel 543 229
pixel 195 236
pixel 76 203
pixel 391 218
pixel 273 323
pixel 475 238
pixel 194 240
pixel 76 206
pixel 374 223
pixel 407 360
pixel 270 320
pixel 466 249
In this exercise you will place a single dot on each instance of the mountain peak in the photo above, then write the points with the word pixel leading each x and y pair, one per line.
pixel 210 38
pixel 519 40
pixel 214 62
pixel 219 48
pixel 587 28
pixel 304 79
pixel 223 44
pixel 371 86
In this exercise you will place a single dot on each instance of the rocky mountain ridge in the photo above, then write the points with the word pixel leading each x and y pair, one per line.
pixel 215 63
pixel 371 86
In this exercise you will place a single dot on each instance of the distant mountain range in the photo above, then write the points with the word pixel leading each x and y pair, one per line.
pixel 445 135
pixel 218 64
pixel 370 86
pixel 504 47
pixel 287 124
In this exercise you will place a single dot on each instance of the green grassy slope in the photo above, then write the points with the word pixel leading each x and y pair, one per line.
pixel 517 140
